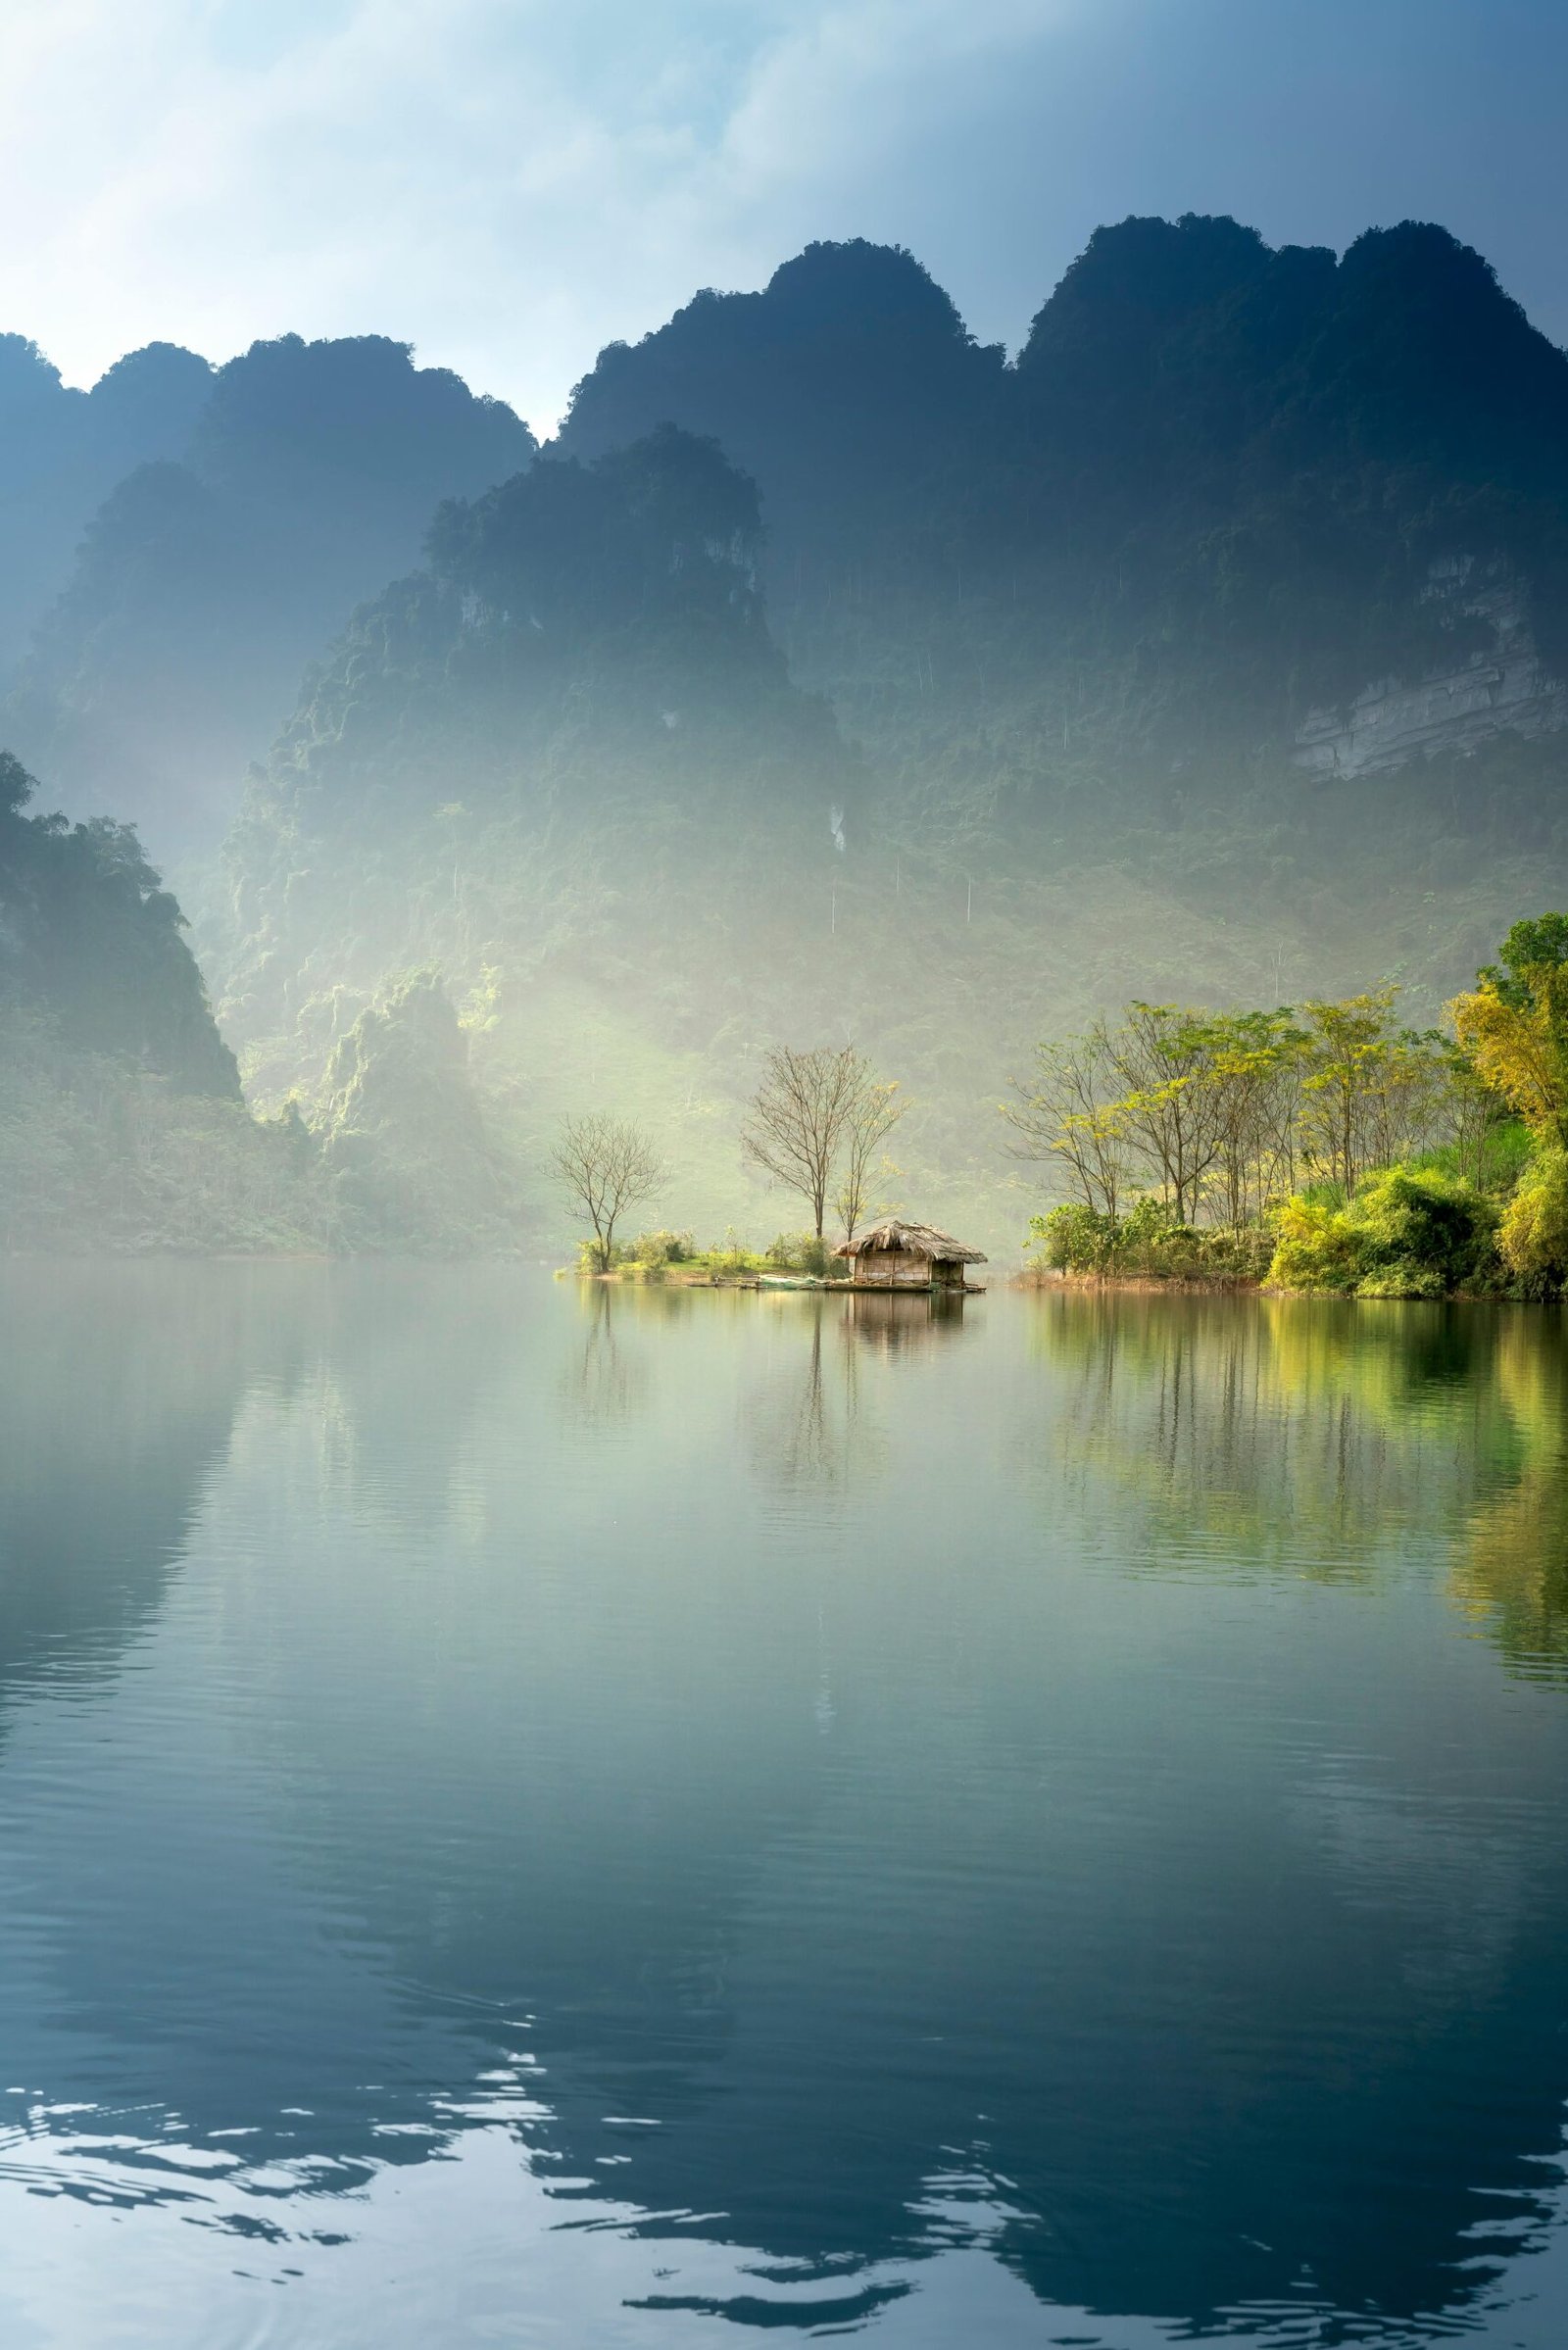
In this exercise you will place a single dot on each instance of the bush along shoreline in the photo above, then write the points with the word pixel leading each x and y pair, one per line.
pixel 1318 1150
pixel 674 1257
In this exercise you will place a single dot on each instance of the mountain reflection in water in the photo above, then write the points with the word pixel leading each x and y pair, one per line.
pixel 539 1812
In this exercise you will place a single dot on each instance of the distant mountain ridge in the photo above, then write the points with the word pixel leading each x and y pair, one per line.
pixel 1217 474
pixel 1228 497
pixel 831 675
pixel 232 553
pixel 62 452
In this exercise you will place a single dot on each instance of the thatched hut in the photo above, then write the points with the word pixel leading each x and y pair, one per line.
pixel 897 1255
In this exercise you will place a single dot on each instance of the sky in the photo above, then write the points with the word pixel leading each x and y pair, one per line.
pixel 509 184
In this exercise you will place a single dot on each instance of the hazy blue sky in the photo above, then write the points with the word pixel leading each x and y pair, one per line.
pixel 509 183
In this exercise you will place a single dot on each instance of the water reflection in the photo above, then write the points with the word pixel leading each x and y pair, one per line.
pixel 605 1379
pixel 1320 1438
pixel 783 1870
pixel 118 1387
pixel 1511 1569
pixel 890 1321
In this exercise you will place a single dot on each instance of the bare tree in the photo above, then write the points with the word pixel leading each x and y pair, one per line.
pixel 809 1110
pixel 606 1166
pixel 1160 1053
pixel 1062 1112
pixel 873 1113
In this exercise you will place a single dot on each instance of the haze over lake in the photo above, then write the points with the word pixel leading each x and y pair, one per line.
pixel 536 1814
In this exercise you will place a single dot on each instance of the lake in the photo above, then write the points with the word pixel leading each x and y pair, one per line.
pixel 547 1815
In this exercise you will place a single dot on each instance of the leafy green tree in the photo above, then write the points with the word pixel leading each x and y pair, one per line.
pixel 1373 1091
pixel 1252 1072
pixel 1161 1055
pixel 1534 1233
pixel 1514 1024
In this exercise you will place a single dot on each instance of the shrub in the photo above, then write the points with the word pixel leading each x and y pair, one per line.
pixel 1315 1248
pixel 1147 1241
pixel 1534 1234
pixel 1216 1253
pixel 1403 1278
pixel 588 1257
pixel 732 1256
pixel 1421 1233
pixel 800 1252
pixel 1408 1232
pixel 1074 1239
pixel 654 1250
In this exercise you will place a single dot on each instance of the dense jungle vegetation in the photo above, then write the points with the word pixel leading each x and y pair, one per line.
pixel 123 1125
pixel 1319 1147
pixel 830 677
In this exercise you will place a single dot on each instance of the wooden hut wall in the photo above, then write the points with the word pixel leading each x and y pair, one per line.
pixel 899 1269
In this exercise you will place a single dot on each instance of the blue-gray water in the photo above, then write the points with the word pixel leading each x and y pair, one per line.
pixel 533 1816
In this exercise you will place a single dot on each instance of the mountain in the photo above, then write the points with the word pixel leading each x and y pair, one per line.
pixel 216 570
pixel 122 1124
pixel 849 389
pixel 1229 497
pixel 1084 637
pixel 522 759
pixel 61 451
pixel 833 676
pixel 90 944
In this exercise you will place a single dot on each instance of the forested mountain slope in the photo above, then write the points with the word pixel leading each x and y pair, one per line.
pixel 578 700
pixel 834 677
pixel 120 1106
pixel 91 946
pixel 61 451
pixel 123 1127
pixel 304 479
pixel 566 767
pixel 1224 490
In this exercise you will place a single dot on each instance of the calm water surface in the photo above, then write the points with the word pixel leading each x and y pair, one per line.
pixel 542 1817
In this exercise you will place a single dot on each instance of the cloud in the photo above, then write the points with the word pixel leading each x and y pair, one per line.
pixel 511 184
pixel 508 184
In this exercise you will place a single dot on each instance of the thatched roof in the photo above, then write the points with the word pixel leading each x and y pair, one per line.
pixel 912 1240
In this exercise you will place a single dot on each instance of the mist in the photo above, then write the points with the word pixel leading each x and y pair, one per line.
pixel 783 1176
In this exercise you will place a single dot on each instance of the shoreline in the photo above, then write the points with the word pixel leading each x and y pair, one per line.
pixel 1219 1284
pixel 1158 1283
pixel 780 1282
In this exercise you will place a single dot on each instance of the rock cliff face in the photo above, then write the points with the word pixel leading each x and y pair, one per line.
pixel 1500 686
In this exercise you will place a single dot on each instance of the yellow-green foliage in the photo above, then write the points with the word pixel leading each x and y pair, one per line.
pixel 1534 1233
pixel 654 1255
pixel 1407 1232
pixel 1149 1243
pixel 1514 1026
pixel 1315 1248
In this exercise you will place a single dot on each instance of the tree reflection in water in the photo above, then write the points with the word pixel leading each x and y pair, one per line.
pixel 741 1776
pixel 1319 1436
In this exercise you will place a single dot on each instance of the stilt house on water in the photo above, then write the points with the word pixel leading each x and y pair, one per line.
pixel 896 1255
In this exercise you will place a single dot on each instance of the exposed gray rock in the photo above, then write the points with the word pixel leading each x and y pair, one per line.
pixel 1502 688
